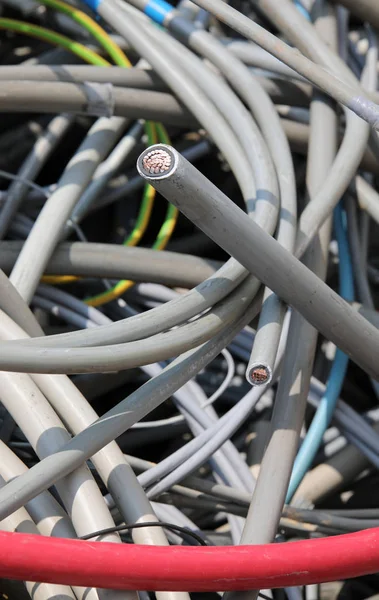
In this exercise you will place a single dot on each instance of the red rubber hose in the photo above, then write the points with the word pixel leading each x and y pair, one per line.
pixel 127 566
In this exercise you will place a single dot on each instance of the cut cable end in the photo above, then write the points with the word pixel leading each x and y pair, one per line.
pixel 156 162
pixel 258 374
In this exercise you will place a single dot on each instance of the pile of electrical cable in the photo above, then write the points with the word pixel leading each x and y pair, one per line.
pixel 189 271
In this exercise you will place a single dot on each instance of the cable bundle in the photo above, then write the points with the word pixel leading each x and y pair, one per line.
pixel 188 299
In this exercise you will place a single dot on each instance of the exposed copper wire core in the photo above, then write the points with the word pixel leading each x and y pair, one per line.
pixel 156 161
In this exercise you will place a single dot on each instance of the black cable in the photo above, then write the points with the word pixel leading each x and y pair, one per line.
pixel 125 527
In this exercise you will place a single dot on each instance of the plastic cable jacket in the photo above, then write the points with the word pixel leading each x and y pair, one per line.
pixel 94 4
pixel 116 566
pixel 158 10
pixel 100 99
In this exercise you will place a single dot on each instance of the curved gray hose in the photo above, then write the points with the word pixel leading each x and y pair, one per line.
pixel 117 261
pixel 121 356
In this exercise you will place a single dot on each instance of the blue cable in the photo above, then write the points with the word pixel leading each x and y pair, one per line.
pixel 302 9
pixel 324 413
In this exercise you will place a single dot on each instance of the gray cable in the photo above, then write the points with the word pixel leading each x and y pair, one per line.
pixel 32 165
pixel 130 83
pixel 360 273
pixel 103 175
pixel 21 522
pixel 216 215
pixel 52 218
pixel 119 419
pixel 117 261
pixel 59 295
pixel 184 87
pixel 52 97
pixel 121 356
pixel 268 334
pixel 117 475
pixel 189 457
pixel 302 33
pixel 347 94
pixel 368 197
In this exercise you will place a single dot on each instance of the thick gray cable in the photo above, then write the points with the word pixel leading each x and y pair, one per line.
pixel 32 165
pixel 137 78
pixel 228 226
pixel 118 261
pixel 121 356
pixel 119 419
pixel 272 314
pixel 53 97
pixel 267 200
pixel 48 227
pixel 129 87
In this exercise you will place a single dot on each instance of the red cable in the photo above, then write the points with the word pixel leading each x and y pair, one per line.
pixel 127 566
